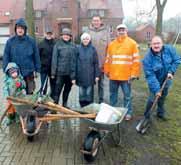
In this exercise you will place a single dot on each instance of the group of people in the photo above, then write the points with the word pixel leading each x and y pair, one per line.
pixel 65 64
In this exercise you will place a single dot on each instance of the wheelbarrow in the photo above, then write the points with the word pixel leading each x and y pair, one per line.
pixel 33 114
pixel 98 133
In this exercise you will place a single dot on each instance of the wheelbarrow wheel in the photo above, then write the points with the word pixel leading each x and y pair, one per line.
pixel 30 138
pixel 91 141
pixel 31 123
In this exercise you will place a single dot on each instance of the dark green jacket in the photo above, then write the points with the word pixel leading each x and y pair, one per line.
pixel 64 59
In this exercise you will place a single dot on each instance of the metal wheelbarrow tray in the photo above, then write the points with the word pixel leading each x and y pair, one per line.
pixel 29 119
pixel 98 132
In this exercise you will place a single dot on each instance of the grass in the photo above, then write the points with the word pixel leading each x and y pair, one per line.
pixel 163 140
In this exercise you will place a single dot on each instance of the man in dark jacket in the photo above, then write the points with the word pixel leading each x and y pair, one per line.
pixel 22 50
pixel 46 51
pixel 63 66
pixel 160 62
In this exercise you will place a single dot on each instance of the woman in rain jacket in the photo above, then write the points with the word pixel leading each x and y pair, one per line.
pixel 87 72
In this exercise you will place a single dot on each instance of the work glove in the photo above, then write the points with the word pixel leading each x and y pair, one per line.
pixel 73 82
pixel 52 76
pixel 159 94
pixel 170 76
pixel 132 79
pixel 96 79
pixel 36 74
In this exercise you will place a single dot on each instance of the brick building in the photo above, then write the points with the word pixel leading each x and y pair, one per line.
pixel 144 33
pixel 110 11
pixel 57 14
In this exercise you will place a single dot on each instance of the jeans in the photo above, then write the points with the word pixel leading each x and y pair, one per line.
pixel 43 88
pixel 160 104
pixel 101 88
pixel 126 89
pixel 86 94
pixel 62 81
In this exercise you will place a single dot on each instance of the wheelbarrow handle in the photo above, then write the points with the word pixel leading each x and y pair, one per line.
pixel 4 113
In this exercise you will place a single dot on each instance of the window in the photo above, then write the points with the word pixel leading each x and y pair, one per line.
pixel 148 35
pixel 91 13
pixel 7 13
pixel 65 3
pixel 38 14
pixel 65 11
pixel 99 12
pixel 84 29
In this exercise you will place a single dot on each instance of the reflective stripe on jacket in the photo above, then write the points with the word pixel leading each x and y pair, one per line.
pixel 123 60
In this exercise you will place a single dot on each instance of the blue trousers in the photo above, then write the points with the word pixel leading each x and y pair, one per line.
pixel 160 103
pixel 126 89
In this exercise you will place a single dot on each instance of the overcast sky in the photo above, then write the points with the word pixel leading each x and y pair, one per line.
pixel 173 7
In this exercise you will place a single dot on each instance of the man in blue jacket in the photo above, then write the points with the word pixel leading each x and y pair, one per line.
pixel 22 50
pixel 160 62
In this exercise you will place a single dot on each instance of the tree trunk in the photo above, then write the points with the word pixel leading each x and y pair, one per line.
pixel 29 13
pixel 159 21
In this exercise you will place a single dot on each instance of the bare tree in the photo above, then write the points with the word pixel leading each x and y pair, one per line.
pixel 141 13
pixel 159 22
pixel 30 17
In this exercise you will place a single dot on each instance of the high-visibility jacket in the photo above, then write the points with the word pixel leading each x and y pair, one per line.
pixel 122 60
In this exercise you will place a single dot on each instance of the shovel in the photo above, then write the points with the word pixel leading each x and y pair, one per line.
pixel 145 123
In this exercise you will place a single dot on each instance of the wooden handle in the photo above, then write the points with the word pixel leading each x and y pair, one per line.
pixel 92 116
pixel 49 105
pixel 51 117
pixel 61 108
pixel 4 113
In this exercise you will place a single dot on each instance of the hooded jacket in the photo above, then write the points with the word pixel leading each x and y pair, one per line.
pixel 13 87
pixel 23 51
pixel 123 60
pixel 156 67
pixel 100 39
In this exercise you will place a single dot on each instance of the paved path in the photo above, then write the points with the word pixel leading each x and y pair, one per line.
pixel 57 144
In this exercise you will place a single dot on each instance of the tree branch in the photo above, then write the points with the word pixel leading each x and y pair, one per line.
pixel 164 3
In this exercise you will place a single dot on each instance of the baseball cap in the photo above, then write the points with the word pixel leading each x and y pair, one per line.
pixel 123 26
pixel 66 31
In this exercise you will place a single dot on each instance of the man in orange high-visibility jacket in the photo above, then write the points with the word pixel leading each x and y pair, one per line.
pixel 122 65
